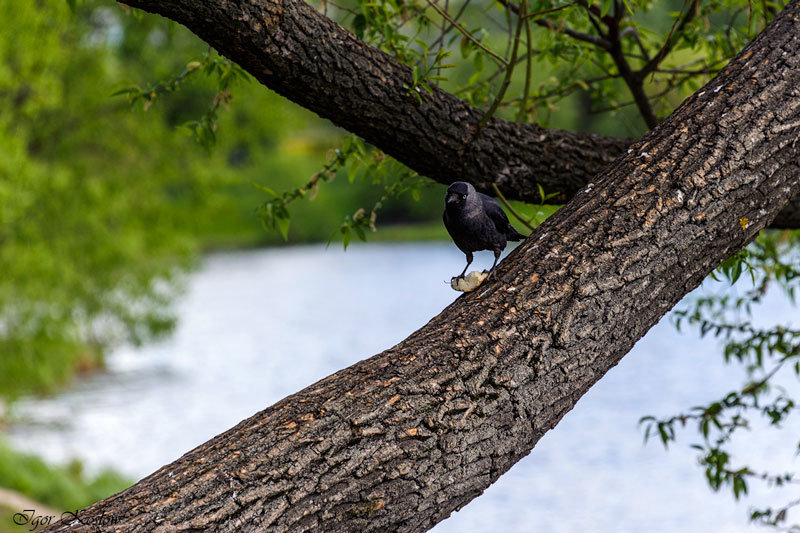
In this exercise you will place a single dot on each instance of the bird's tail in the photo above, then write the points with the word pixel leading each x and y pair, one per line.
pixel 514 235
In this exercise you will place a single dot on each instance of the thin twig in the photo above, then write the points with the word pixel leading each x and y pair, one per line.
pixel 653 97
pixel 446 29
pixel 677 28
pixel 633 31
pixel 608 73
pixel 523 108
pixel 510 31
pixel 544 12
pixel 578 35
pixel 597 41
pixel 507 79
pixel 594 16
pixel 511 209
pixel 634 80
pixel 465 33
pixel 497 72
pixel 340 7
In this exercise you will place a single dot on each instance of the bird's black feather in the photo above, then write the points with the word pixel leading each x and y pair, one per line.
pixel 476 222
pixel 498 216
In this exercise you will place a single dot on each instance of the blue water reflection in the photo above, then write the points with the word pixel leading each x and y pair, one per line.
pixel 256 326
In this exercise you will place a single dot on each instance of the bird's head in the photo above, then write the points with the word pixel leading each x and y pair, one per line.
pixel 457 194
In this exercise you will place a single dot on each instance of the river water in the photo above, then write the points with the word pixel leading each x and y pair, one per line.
pixel 258 325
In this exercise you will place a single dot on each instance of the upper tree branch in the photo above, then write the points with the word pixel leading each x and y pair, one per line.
pixel 298 52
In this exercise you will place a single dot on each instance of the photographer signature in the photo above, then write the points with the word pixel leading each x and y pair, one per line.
pixel 34 521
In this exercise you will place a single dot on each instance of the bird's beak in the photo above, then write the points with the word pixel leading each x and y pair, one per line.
pixel 451 198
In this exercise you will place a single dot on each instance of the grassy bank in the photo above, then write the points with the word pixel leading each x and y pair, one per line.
pixel 59 488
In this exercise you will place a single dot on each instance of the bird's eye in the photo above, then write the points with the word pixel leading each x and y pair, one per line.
pixel 463 196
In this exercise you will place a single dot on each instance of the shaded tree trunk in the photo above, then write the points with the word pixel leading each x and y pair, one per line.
pixel 299 53
pixel 398 441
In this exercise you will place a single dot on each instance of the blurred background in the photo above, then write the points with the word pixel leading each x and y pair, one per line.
pixel 147 303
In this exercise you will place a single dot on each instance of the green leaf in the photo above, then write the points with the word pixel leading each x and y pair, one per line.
pixel 360 232
pixel 477 62
pixel 283 227
pixel 345 236
pixel 359 25
pixel 128 89
pixel 264 189
pixel 465 46
pixel 352 170
pixel 282 220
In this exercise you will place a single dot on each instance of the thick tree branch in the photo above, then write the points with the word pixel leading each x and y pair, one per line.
pixel 398 441
pixel 298 52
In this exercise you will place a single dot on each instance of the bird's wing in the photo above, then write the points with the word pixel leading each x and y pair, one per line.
pixel 495 213
pixel 498 216
pixel 449 226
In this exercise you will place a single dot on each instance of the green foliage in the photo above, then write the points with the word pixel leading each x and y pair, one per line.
pixel 566 51
pixel 225 72
pixel 73 252
pixel 595 51
pixel 423 75
pixel 765 353
pixel 359 163
pixel 62 488
pixel 274 213
pixel 104 205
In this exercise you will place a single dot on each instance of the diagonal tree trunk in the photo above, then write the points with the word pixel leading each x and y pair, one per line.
pixel 296 51
pixel 398 441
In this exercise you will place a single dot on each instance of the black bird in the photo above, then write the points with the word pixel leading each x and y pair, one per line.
pixel 476 222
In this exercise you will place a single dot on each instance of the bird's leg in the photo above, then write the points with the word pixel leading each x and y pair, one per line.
pixel 469 261
pixel 496 257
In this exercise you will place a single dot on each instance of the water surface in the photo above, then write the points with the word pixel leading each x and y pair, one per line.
pixel 256 326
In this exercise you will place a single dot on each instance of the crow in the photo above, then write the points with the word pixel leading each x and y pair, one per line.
pixel 476 222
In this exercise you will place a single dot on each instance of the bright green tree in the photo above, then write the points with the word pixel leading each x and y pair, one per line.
pixel 104 206
pixel 95 203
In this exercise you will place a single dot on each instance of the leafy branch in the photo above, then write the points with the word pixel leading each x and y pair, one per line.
pixel 424 77
pixel 212 65
pixel 274 213
pixel 364 219
pixel 355 159
pixel 764 352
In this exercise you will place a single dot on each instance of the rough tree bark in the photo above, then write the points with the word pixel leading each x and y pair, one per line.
pixel 398 441
pixel 299 53
pixel 296 51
